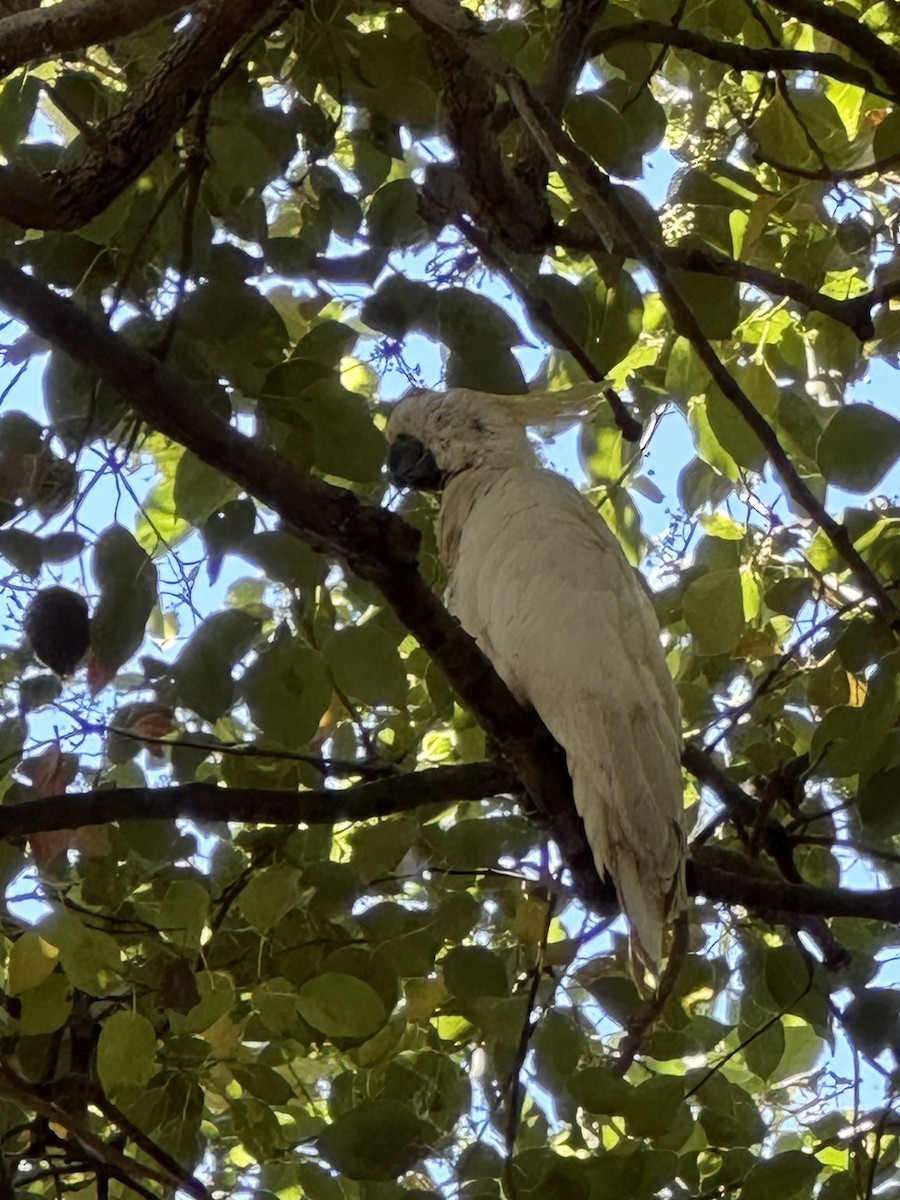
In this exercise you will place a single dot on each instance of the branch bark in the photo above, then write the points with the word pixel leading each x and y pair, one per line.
pixel 710 872
pixel 207 802
pixel 775 896
pixel 855 313
pixel 126 143
pixel 736 55
pixel 851 32
pixel 41 33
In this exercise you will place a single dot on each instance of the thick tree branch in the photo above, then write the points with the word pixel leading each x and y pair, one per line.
pixel 41 33
pixel 734 54
pixel 709 872
pixel 126 143
pixel 570 50
pixel 506 194
pixel 611 217
pixel 778 896
pixel 207 802
pixel 851 32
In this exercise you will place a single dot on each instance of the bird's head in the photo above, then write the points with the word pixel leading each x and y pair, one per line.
pixel 436 435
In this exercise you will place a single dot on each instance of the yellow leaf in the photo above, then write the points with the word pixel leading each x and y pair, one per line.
pixel 423 998
pixel 224 1037
pixel 858 690
pixel 31 960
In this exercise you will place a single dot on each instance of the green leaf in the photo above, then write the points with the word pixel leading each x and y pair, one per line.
pixel 276 1002
pixel 380 1139
pixel 62 546
pixel 270 894
pixel 398 304
pixel 873 1021
pixel 20 434
pixel 47 1007
pixel 598 127
pixel 558 1044
pixel 23 550
pixel 714 300
pixel 713 608
pixel 183 912
pixel 568 305
pixel 90 958
pixel 257 1127
pixel 886 142
pixel 126 1051
pixel 328 343
pixel 764 1052
pixel 200 490
pixel 287 689
pixel 18 100
pixel 341 1006
pixel 341 437
pixel 283 558
pixel 859 446
pixel 217 998
pixel 786 1175
pixel 237 330
pixel 393 216
pixel 486 367
pixel 263 1082
pixel 878 801
pixel 474 971
pixel 79 406
pixel 733 433
pixel 127 580
pixel 601 1090
pixel 729 1116
pixel 203 669
pixel 652 1106
pixel 365 664
pixel 465 319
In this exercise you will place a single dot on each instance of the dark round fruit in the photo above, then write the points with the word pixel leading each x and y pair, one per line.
pixel 59 628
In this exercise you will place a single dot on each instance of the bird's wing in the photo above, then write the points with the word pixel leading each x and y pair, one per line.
pixel 536 576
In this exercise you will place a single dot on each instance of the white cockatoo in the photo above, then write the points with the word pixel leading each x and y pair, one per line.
pixel 539 581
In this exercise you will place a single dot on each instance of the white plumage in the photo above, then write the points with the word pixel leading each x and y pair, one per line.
pixel 539 580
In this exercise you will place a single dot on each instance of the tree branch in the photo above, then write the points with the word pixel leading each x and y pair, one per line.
pixel 855 313
pixel 604 208
pixel 105 1153
pixel 507 196
pixel 778 896
pixel 569 51
pixel 851 32
pixel 710 871
pixel 126 143
pixel 207 802
pixel 736 55
pixel 41 33
pixel 744 810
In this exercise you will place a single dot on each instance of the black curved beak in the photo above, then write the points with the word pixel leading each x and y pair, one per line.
pixel 411 464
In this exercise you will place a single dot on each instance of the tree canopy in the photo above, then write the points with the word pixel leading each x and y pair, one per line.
pixel 311 913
